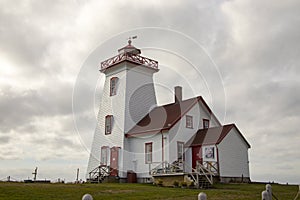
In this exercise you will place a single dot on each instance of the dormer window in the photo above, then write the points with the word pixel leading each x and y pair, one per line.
pixel 205 123
pixel 189 121
pixel 108 124
pixel 113 86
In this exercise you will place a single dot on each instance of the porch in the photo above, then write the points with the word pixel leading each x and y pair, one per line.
pixel 202 176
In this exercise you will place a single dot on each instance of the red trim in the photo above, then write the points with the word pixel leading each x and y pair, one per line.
pixel 136 59
pixel 114 161
pixel 104 147
pixel 221 137
pixel 113 88
pixel 196 155
pixel 146 144
pixel 108 119
pixel 183 157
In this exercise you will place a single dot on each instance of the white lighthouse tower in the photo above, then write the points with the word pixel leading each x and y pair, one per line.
pixel 128 95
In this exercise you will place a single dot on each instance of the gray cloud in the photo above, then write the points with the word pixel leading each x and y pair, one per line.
pixel 21 107
pixel 4 139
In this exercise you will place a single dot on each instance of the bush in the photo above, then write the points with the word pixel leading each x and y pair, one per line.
pixel 192 184
pixel 160 182
pixel 183 184
pixel 176 183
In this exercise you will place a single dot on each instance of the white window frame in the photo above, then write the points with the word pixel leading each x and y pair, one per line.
pixel 180 151
pixel 148 152
pixel 189 121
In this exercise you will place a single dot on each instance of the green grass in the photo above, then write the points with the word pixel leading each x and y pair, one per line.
pixel 36 191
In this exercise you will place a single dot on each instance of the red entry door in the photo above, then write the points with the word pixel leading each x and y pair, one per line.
pixel 197 156
pixel 114 161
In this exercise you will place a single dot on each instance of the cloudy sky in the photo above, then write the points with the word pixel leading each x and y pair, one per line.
pixel 242 56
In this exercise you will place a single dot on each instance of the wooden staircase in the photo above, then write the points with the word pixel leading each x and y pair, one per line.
pixel 99 174
pixel 202 176
pixel 204 183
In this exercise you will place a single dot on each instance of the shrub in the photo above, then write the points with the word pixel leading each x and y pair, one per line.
pixel 183 184
pixel 160 182
pixel 192 184
pixel 176 183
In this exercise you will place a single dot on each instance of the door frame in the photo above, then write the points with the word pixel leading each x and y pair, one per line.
pixel 199 155
pixel 114 161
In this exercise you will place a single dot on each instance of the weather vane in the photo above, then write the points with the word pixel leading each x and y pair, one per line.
pixel 131 38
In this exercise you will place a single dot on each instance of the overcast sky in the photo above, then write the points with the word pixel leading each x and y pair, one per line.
pixel 241 56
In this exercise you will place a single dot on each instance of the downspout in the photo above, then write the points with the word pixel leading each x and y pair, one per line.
pixel 162 147
pixel 218 163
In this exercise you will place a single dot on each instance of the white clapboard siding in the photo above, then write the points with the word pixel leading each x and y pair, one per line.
pixel 134 98
pixel 140 94
pixel 233 156
pixel 180 133
pixel 137 150
pixel 204 114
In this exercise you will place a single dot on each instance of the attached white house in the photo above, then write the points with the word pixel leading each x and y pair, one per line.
pixel 136 136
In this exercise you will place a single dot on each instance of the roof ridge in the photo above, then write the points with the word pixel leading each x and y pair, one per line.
pixel 178 102
pixel 184 106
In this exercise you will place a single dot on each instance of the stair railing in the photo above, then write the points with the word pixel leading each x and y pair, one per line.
pixel 99 173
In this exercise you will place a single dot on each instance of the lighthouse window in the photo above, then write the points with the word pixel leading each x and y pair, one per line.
pixel 148 152
pixel 108 124
pixel 113 86
pixel 104 155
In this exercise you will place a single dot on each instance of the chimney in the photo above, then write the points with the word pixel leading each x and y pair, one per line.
pixel 178 94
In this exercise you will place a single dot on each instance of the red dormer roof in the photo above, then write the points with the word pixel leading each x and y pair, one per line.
pixel 212 136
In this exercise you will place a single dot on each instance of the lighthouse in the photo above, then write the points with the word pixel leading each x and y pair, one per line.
pixel 137 140
pixel 128 95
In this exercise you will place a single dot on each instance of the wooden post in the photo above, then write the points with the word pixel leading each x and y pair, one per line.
pixel 202 196
pixel 269 190
pixel 198 186
pixel 77 175
pixel 87 197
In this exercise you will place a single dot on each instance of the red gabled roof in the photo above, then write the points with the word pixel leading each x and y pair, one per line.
pixel 212 136
pixel 165 117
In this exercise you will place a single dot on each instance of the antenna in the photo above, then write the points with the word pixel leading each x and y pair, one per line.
pixel 131 38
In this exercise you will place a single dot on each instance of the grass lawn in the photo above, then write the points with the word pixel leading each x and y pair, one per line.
pixel 38 191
